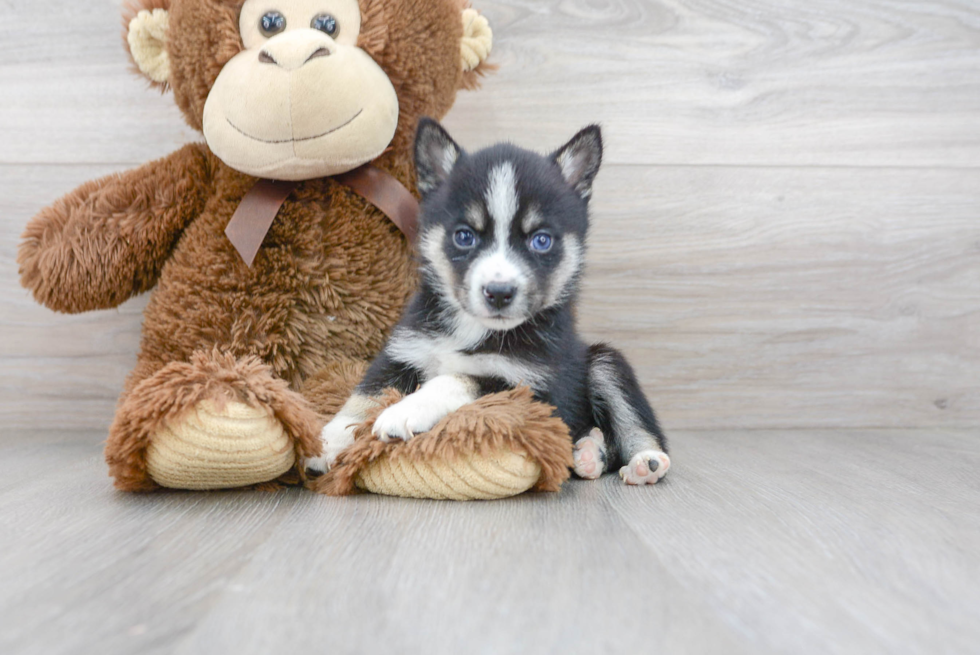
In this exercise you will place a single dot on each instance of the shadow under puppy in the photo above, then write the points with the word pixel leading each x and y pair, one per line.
pixel 502 244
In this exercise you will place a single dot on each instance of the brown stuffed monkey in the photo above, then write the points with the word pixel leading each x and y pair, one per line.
pixel 248 346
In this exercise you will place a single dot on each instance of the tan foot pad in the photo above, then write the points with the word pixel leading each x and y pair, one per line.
pixel 212 448
pixel 500 446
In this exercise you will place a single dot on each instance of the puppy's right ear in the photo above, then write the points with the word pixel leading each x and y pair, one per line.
pixel 579 160
pixel 435 155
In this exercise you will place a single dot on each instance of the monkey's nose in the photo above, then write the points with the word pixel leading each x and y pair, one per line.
pixel 319 52
pixel 498 295
pixel 294 50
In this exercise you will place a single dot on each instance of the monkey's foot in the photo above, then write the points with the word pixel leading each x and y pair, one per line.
pixel 219 446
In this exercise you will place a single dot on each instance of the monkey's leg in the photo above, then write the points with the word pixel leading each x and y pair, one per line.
pixel 632 437
pixel 212 422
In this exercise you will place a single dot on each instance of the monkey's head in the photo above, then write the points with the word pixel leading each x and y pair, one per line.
pixel 298 89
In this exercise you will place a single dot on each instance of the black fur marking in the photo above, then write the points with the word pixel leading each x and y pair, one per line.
pixel 386 373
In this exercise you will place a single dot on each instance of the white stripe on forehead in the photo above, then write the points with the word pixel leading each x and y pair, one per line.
pixel 502 200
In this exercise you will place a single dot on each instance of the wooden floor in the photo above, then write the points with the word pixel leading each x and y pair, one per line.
pixel 840 541
pixel 786 244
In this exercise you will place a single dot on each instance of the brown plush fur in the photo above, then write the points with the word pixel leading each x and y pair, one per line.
pixel 329 388
pixel 328 284
pixel 108 239
pixel 510 420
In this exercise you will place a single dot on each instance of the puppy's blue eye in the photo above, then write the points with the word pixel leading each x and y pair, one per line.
pixel 272 23
pixel 326 24
pixel 541 242
pixel 464 238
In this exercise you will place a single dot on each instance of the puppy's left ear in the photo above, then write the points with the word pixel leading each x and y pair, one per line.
pixel 579 159
pixel 435 155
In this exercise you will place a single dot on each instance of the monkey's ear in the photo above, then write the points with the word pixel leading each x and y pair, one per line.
pixel 146 36
pixel 477 41
pixel 579 159
pixel 435 155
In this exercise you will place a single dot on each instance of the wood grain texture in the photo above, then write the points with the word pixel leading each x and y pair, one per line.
pixel 765 82
pixel 759 542
pixel 773 297
pixel 828 82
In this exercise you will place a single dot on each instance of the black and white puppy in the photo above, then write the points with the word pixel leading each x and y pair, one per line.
pixel 502 243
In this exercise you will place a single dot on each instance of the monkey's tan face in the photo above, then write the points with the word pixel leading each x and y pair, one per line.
pixel 301 100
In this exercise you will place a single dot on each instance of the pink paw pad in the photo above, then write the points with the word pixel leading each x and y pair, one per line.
pixel 646 467
pixel 589 455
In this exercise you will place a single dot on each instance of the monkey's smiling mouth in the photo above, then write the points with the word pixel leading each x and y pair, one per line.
pixel 305 138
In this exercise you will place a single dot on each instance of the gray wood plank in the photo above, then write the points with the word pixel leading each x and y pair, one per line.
pixel 835 542
pixel 843 541
pixel 822 82
pixel 792 297
pixel 806 82
pixel 59 371
pixel 84 568
pixel 533 575
pixel 75 99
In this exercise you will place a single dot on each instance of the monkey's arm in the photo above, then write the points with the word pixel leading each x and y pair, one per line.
pixel 108 239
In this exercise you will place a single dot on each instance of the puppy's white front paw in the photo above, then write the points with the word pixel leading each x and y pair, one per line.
pixel 406 418
pixel 646 467
pixel 336 436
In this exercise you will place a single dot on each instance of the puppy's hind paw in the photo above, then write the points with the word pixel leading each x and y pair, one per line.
pixel 590 455
pixel 646 467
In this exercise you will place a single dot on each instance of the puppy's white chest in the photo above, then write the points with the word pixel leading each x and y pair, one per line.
pixel 485 365
pixel 452 363
pixel 434 356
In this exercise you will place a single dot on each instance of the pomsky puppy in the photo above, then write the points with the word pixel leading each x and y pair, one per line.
pixel 502 243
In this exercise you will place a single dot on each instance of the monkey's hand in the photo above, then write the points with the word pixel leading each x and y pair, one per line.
pixel 108 239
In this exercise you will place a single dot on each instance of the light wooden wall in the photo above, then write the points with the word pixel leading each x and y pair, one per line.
pixel 786 229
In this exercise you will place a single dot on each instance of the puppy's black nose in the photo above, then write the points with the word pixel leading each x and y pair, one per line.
pixel 499 295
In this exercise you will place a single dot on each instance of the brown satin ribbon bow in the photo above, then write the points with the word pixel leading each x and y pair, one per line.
pixel 258 209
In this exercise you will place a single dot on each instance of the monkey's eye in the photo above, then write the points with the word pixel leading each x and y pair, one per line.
pixel 326 24
pixel 272 22
pixel 464 238
pixel 541 242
